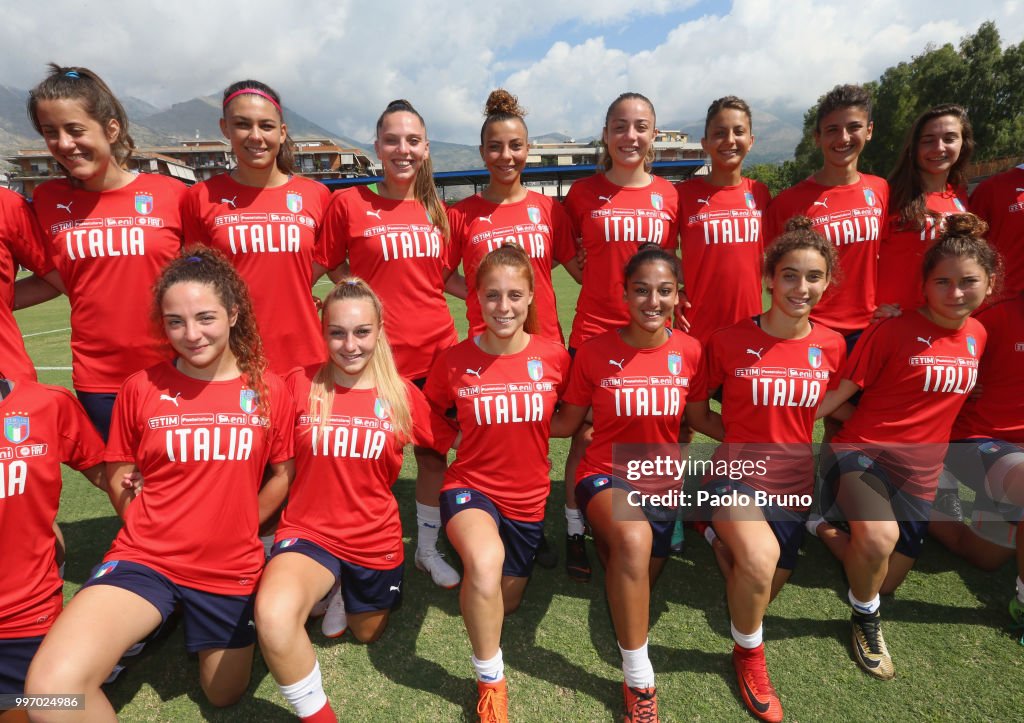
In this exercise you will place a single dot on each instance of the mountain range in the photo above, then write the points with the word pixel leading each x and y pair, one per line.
pixel 199 118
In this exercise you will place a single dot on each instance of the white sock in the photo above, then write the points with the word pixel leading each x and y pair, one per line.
pixel 865 608
pixel 268 542
pixel 748 641
pixel 428 525
pixel 637 668
pixel 1020 590
pixel 573 521
pixel 307 696
pixel 812 523
pixel 489 671
pixel 710 535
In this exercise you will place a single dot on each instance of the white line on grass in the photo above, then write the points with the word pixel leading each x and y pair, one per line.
pixel 53 369
pixel 40 333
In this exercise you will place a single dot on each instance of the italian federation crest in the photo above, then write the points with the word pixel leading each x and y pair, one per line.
pixel 749 198
pixel 144 203
pixel 675 363
pixel 972 346
pixel 959 205
pixel 869 197
pixel 657 201
pixel 380 409
pixel 248 400
pixel 16 429
pixel 294 202
pixel 533 213
pixel 814 357
pixel 535 369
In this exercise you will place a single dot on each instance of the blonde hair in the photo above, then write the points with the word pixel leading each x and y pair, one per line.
pixel 388 383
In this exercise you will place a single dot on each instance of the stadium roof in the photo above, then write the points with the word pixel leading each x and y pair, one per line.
pixel 479 177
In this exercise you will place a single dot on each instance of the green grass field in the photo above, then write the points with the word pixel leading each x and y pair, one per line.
pixel 946 628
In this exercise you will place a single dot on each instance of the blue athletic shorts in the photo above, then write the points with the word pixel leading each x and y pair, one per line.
pixel 363 589
pixel 15 656
pixel 521 539
pixel 212 621
pixel 99 406
pixel 661 519
pixel 787 525
pixel 911 513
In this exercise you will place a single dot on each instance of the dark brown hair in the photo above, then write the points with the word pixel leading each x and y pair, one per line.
pixel 502 106
pixel 606 158
pixel 964 239
pixel 77 83
pixel 906 194
pixel 800 234
pixel 286 153
pixel 727 102
pixel 843 96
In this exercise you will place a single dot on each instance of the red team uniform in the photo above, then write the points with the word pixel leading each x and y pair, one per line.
pixel 637 396
pixel 201 448
pixel 997 412
pixel 1000 201
pixel 43 427
pixel 771 389
pixel 21 244
pixel 109 249
pixel 341 499
pixel 723 243
pixel 916 376
pixel 901 250
pixel 270 235
pixel 852 218
pixel 611 223
pixel 395 248
pixel 538 224
pixel 503 405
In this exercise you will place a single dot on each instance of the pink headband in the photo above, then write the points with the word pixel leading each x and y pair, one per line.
pixel 253 91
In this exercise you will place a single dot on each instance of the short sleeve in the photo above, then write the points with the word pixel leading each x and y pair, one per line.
pixel 125 427
pixel 580 390
pixel 81 445
pixel 562 237
pixel 282 421
pixel 193 228
pixel 24 237
pixel 332 245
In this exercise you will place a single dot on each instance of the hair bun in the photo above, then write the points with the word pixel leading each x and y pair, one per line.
pixel 500 101
pixel 965 224
pixel 799 223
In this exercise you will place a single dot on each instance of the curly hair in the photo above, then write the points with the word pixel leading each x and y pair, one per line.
pixel 203 265
pixel 800 234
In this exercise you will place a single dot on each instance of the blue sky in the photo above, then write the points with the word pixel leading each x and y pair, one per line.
pixel 339 62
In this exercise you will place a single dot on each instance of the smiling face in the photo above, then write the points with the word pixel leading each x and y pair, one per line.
pixel 842 135
pixel 401 146
pixel 505 296
pixel 728 139
pixel 198 328
pixel 77 142
pixel 799 279
pixel 351 328
pixel 651 296
pixel 955 287
pixel 629 133
pixel 504 150
pixel 939 145
pixel 253 126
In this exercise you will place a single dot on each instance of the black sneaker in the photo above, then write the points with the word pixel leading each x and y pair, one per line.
pixel 947 503
pixel 546 556
pixel 869 646
pixel 577 565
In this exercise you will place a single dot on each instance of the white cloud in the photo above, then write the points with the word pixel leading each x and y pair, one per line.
pixel 340 61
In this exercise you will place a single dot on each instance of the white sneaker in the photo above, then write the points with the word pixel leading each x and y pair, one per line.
pixel 320 609
pixel 335 621
pixel 432 562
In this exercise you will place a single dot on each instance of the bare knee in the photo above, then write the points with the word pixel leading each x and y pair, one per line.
pixel 874 540
pixel 222 696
